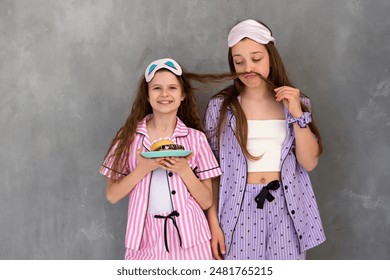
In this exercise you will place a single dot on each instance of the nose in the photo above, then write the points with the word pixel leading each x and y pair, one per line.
pixel 164 92
pixel 249 67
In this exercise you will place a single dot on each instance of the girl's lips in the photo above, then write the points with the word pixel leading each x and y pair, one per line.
pixel 164 102
pixel 250 76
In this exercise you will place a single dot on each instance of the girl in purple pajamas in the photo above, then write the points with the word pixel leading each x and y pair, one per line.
pixel 261 130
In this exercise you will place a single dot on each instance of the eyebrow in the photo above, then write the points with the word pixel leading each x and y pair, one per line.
pixel 256 52
pixel 161 85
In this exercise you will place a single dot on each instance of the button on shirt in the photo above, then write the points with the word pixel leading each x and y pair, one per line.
pixel 192 222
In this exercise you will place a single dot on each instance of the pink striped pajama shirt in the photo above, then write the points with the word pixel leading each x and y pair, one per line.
pixel 191 222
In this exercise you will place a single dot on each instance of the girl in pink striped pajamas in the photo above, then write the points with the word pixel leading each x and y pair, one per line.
pixel 167 196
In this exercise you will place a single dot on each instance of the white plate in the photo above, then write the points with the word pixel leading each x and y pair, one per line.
pixel 167 153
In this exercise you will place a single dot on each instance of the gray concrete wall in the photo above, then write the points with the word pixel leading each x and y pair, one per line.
pixel 68 71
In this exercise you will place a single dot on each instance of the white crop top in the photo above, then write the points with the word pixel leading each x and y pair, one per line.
pixel 265 137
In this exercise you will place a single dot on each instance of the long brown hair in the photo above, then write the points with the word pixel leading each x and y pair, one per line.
pixel 276 78
pixel 188 113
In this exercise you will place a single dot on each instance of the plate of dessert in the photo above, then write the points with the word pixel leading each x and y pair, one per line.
pixel 166 148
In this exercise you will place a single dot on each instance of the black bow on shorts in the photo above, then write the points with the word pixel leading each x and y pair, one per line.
pixel 265 194
pixel 169 217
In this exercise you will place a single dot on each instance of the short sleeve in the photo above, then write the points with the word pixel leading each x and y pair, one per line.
pixel 106 168
pixel 207 165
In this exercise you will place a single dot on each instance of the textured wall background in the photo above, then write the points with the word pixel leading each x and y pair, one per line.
pixel 68 71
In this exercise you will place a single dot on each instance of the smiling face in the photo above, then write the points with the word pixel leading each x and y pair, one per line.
pixel 250 56
pixel 165 93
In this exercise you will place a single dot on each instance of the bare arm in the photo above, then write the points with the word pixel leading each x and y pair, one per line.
pixel 118 190
pixel 217 237
pixel 212 212
pixel 306 147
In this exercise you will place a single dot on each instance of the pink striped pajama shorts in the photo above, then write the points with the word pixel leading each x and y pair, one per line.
pixel 153 244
